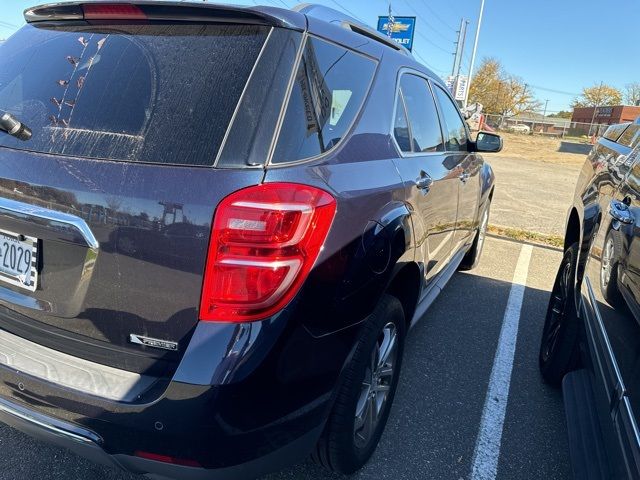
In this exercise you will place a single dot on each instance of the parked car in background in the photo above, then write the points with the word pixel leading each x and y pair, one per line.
pixel 518 128
pixel 591 338
pixel 208 269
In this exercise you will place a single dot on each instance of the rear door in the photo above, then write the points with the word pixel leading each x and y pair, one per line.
pixel 117 188
pixel 431 182
pixel 464 165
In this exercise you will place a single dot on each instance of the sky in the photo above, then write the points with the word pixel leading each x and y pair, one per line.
pixel 557 47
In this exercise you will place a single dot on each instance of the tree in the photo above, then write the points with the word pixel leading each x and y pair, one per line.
pixel 601 95
pixel 632 93
pixel 561 114
pixel 500 92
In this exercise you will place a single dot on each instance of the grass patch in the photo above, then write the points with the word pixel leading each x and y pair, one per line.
pixel 527 236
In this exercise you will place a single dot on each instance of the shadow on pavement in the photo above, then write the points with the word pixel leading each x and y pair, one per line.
pixel 572 147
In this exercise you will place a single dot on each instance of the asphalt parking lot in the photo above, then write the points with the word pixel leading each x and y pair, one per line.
pixel 442 402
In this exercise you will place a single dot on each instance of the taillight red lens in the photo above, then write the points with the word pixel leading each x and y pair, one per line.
pixel 112 11
pixel 264 242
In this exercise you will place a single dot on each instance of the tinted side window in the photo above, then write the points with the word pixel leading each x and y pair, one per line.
pixel 401 126
pixel 422 113
pixel 452 123
pixel 628 138
pixel 329 90
pixel 614 131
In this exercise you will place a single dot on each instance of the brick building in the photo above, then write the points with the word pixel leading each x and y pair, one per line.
pixel 606 115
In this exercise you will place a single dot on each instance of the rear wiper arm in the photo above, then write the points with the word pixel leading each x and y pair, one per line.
pixel 14 127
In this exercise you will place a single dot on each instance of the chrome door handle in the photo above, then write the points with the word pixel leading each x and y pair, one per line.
pixel 620 213
pixel 464 176
pixel 424 182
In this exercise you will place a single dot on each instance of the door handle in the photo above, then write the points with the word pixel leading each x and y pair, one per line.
pixel 464 176
pixel 424 182
pixel 620 213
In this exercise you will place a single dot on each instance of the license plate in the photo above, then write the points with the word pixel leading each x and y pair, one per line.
pixel 19 260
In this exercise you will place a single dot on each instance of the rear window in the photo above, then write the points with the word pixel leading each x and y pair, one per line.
pixel 329 89
pixel 148 93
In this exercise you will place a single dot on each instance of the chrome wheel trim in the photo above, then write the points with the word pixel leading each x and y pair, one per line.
pixel 605 267
pixel 376 385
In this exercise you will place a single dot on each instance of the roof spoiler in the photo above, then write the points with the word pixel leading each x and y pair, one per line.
pixel 150 10
pixel 345 21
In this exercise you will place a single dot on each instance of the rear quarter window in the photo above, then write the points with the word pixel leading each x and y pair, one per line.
pixel 614 131
pixel 148 93
pixel 329 89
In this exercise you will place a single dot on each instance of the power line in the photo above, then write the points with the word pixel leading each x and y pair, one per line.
pixel 348 11
pixel 437 17
pixel 561 92
pixel 417 54
pixel 422 19
pixel 423 36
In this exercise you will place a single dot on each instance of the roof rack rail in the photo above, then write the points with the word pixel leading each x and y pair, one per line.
pixel 164 11
pixel 345 21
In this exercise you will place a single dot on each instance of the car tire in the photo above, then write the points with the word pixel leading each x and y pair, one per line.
pixel 611 253
pixel 559 344
pixel 472 257
pixel 352 432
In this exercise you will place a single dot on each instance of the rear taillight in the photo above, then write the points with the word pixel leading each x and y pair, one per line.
pixel 264 241
pixel 112 11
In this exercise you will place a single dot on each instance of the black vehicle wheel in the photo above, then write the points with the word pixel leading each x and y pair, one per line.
pixel 609 269
pixel 472 257
pixel 558 347
pixel 364 400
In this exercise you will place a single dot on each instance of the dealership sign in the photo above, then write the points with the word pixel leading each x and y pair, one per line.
pixel 401 31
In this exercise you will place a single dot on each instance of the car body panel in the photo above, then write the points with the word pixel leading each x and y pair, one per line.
pixel 249 389
pixel 611 337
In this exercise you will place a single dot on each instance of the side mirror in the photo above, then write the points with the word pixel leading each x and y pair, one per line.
pixel 488 142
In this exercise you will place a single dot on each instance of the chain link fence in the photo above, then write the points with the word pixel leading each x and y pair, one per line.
pixel 540 125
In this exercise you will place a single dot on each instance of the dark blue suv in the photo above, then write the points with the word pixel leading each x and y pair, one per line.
pixel 217 225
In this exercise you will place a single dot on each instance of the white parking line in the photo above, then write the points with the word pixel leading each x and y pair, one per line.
pixel 487 450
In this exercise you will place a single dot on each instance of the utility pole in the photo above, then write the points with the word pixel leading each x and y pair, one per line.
pixel 464 40
pixel 457 60
pixel 475 48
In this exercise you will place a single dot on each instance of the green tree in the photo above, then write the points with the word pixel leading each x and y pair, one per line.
pixel 601 95
pixel 499 92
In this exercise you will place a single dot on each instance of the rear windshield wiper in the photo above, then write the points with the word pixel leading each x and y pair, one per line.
pixel 14 127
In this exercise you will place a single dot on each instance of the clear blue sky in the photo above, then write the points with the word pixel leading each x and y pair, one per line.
pixel 557 46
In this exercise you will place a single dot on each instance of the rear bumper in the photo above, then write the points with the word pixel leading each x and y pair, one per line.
pixel 245 400
pixel 89 445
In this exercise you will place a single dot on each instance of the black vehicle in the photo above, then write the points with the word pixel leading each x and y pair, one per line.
pixel 591 338
pixel 217 225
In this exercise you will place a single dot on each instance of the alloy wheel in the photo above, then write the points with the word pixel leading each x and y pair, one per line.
pixel 605 268
pixel 558 307
pixel 376 385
